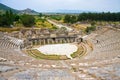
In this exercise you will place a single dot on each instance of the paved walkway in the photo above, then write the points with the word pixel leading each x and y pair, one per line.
pixel 59 25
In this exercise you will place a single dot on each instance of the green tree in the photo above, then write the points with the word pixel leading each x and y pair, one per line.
pixel 99 16
pixel 40 14
pixel 73 19
pixel 67 18
pixel 91 28
pixel 16 17
pixel 7 19
pixel 11 17
pixel 28 20
pixel 70 19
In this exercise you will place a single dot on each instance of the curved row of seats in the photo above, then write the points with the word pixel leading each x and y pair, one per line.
pixel 102 60
pixel 9 47
pixel 7 42
pixel 106 45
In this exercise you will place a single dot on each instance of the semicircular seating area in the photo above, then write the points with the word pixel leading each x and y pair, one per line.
pixel 9 47
pixel 106 45
pixel 7 42
pixel 101 62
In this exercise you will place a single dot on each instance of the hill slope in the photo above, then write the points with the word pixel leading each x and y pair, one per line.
pixel 28 11
pixel 4 8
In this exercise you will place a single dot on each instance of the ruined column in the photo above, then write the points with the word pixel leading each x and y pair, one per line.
pixel 68 40
pixel 71 40
pixel 35 42
pixel 52 41
pixel 56 41
pixel 64 40
pixel 48 41
pixel 43 41
pixel 60 40
pixel 40 41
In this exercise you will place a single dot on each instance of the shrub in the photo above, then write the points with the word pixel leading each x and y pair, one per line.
pixel 28 20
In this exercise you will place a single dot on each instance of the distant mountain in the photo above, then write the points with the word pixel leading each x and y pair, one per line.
pixel 68 11
pixel 4 8
pixel 28 11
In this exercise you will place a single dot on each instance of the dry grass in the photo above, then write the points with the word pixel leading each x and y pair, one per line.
pixel 10 29
pixel 38 55
pixel 78 52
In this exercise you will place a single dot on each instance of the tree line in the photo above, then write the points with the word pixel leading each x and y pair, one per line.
pixel 92 17
pixel 9 18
